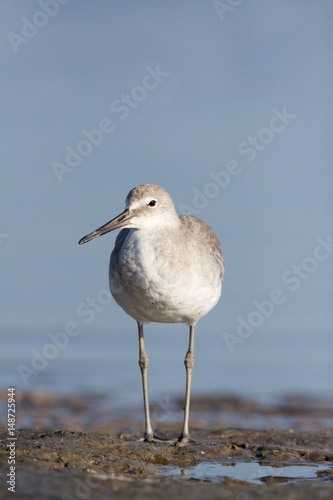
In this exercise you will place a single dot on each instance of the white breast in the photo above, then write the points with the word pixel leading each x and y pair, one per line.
pixel 154 277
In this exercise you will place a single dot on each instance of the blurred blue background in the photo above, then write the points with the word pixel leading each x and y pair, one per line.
pixel 184 92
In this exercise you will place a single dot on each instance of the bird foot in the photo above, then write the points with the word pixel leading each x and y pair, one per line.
pixel 156 439
pixel 184 439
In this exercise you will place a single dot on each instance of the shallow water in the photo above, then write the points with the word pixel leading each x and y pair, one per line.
pixel 107 362
pixel 100 412
pixel 251 472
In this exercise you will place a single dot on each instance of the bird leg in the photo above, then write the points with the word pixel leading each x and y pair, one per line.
pixel 143 363
pixel 184 437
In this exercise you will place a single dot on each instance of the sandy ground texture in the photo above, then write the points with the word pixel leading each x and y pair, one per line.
pixel 226 463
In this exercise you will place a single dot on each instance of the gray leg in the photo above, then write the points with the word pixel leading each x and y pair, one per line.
pixel 189 363
pixel 143 363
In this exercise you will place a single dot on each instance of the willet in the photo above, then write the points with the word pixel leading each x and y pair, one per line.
pixel 164 268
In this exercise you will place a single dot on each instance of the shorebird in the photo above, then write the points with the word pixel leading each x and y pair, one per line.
pixel 164 268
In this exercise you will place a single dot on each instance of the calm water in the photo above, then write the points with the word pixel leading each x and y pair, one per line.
pixel 243 471
pixel 107 362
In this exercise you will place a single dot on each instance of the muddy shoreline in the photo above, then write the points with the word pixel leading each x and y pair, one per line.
pixel 80 456
pixel 65 464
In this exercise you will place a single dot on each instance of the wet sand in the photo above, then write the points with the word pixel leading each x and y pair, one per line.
pixel 54 463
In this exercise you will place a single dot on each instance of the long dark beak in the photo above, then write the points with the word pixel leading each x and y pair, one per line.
pixel 116 223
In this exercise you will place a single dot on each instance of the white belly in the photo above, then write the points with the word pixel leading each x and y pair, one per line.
pixel 155 282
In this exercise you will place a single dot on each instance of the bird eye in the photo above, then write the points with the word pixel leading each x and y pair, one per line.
pixel 152 203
